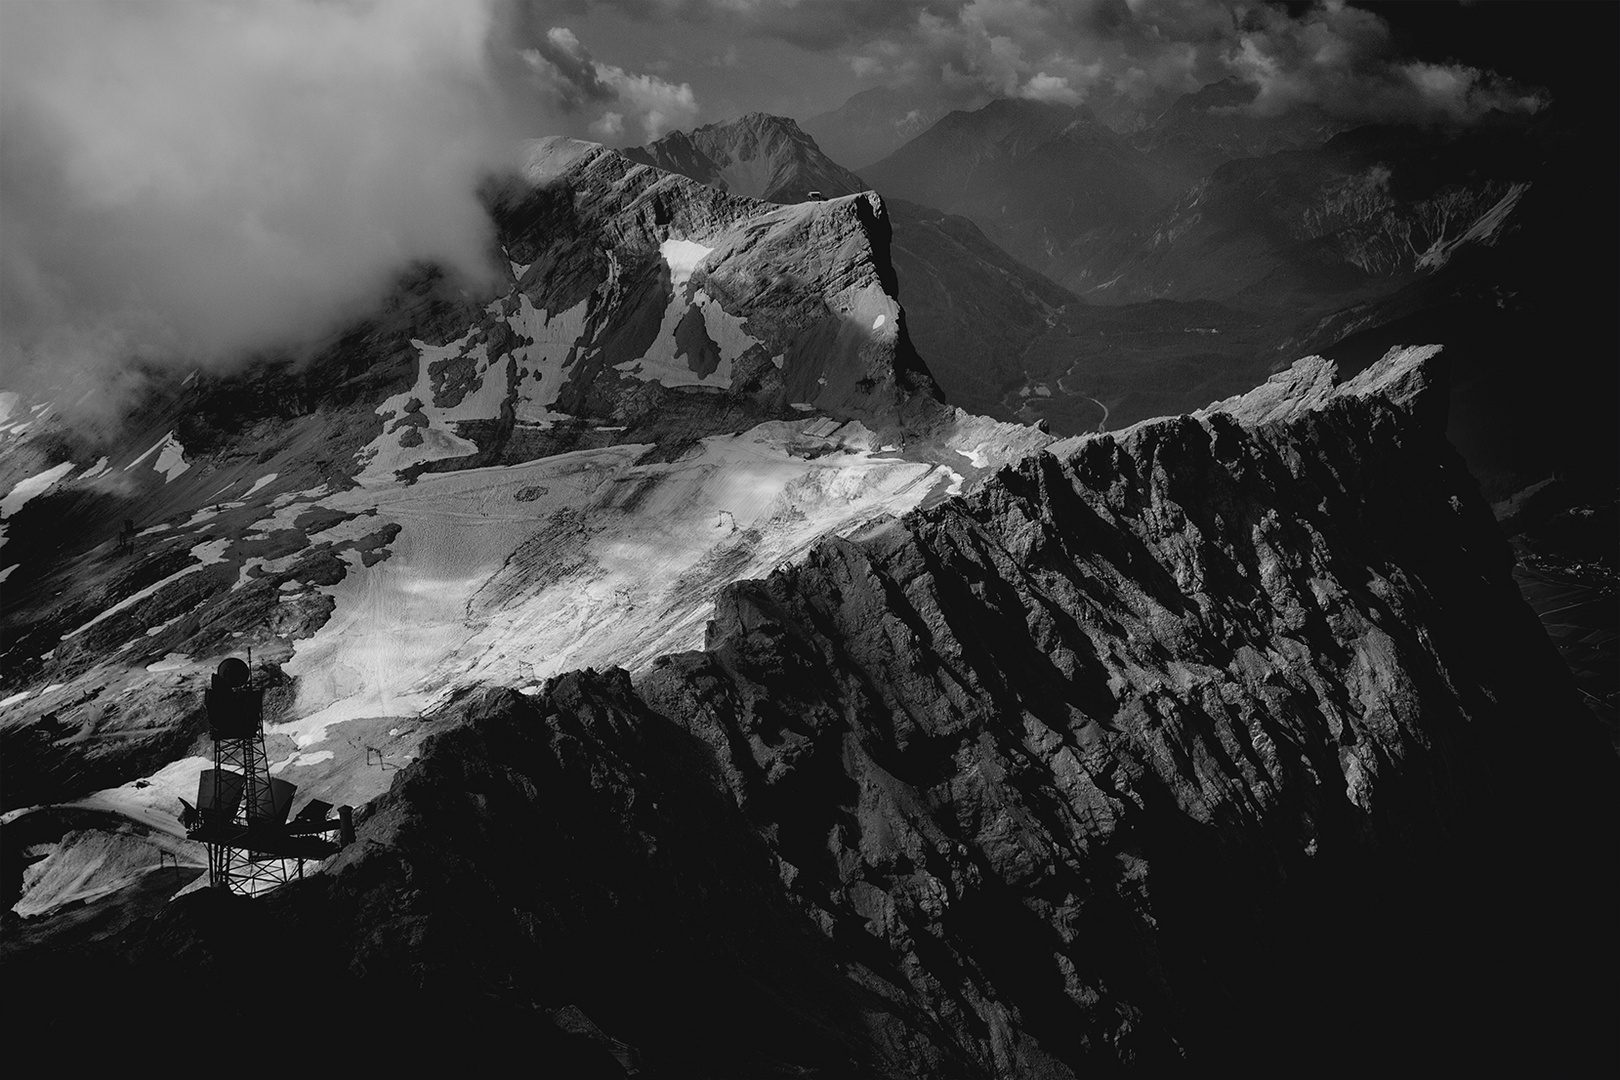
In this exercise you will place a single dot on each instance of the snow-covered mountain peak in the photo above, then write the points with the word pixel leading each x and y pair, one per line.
pixel 677 388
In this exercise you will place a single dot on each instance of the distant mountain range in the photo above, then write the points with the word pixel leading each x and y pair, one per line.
pixel 874 123
pixel 713 699
pixel 1302 232
pixel 1209 247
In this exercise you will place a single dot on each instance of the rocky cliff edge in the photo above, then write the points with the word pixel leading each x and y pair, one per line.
pixel 1223 740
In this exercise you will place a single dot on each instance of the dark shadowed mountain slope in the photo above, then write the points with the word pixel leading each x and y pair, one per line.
pixel 1224 742
pixel 873 124
pixel 978 310
pixel 1210 126
pixel 1038 178
pixel 1322 226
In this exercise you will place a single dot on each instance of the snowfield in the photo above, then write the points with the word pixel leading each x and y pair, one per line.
pixel 511 575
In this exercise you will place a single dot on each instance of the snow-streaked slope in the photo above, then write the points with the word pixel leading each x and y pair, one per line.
pixel 588 559
pixel 678 388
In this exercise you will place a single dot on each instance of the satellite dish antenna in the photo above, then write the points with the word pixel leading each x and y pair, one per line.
pixel 241 810
pixel 232 674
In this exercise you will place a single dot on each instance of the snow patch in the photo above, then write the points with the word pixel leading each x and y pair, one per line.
pixel 261 482
pixel 209 553
pixel 877 323
pixel 541 366
pixel 171 460
pixel 660 364
pixel 683 257
pixel 614 563
pixel 20 695
pixel 32 487
pixel 976 457
pixel 157 794
pixel 298 759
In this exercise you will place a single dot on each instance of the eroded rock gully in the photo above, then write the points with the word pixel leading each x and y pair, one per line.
pixel 1226 740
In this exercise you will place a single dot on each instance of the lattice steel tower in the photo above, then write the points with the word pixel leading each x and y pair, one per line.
pixel 241 811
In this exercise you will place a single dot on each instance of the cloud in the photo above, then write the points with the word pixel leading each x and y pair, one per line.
pixel 1344 61
pixel 610 125
pixel 1044 87
pixel 566 70
pixel 191 181
pixel 1126 55
pixel 659 105
pixel 579 82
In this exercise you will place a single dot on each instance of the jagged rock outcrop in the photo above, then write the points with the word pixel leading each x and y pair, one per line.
pixel 674 388
pixel 1225 740
pixel 757 155
pixel 640 296
pixel 973 311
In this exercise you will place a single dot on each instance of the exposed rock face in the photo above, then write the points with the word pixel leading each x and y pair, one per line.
pixel 972 310
pixel 688 292
pixel 1224 740
pixel 758 155
pixel 676 388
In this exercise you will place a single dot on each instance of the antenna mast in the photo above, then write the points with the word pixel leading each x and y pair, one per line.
pixel 241 812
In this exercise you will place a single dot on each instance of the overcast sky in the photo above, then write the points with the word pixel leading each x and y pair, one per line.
pixel 629 70
pixel 188 180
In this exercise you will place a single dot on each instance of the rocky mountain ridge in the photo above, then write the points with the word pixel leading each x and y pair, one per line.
pixel 974 309
pixel 675 387
pixel 758 155
pixel 1167 749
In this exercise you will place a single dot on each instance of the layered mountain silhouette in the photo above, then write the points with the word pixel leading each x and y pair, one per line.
pixel 718 700
pixel 873 124
pixel 1306 235
pixel 1038 177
